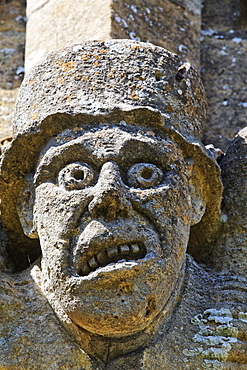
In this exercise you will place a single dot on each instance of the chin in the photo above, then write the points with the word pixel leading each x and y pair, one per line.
pixel 117 300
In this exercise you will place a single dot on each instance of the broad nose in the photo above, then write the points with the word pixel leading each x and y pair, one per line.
pixel 110 201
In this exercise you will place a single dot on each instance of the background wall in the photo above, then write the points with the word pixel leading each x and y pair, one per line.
pixel 212 36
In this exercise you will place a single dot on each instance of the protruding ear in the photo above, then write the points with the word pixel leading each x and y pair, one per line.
pixel 198 200
pixel 25 205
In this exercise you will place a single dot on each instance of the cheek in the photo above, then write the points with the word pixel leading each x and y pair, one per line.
pixel 57 211
pixel 164 206
pixel 169 211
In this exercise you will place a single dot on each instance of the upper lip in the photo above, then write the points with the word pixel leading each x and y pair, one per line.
pixel 131 250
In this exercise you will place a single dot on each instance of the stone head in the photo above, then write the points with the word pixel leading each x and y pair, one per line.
pixel 112 179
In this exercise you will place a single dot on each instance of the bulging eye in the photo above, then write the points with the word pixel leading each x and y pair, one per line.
pixel 144 175
pixel 76 176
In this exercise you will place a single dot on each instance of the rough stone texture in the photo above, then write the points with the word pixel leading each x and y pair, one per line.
pixel 174 25
pixel 7 103
pixel 209 308
pixel 64 23
pixel 32 337
pixel 224 76
pixel 232 251
pixel 12 43
pixel 158 91
pixel 223 50
pixel 113 191
pixel 226 14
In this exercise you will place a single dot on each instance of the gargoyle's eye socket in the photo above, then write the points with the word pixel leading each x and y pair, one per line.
pixel 76 176
pixel 144 176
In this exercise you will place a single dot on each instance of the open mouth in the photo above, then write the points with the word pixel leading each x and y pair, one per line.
pixel 113 254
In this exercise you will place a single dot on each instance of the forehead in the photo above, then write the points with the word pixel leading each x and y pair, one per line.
pixel 110 140
pixel 96 145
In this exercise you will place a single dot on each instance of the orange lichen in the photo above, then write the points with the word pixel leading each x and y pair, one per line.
pixel 67 66
pixel 60 80
pixel 150 133
pixel 126 288
pixel 133 96
pixel 35 115
pixel 169 109
pixel 68 98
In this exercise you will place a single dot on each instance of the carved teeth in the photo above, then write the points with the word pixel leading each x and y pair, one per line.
pixel 93 263
pixel 84 270
pixel 135 249
pixel 124 249
pixel 101 257
pixel 127 252
pixel 112 252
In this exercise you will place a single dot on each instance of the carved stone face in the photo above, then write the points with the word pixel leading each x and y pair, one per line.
pixel 113 214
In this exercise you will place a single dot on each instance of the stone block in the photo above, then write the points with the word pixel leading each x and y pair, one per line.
pixel 160 22
pixel 224 76
pixel 52 25
pixel 224 15
pixel 7 103
pixel 12 42
pixel 231 251
pixel 163 23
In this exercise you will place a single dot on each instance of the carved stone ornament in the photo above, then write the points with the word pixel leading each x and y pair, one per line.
pixel 107 174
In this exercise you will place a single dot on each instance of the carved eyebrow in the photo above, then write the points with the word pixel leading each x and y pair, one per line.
pixel 57 157
pixel 141 149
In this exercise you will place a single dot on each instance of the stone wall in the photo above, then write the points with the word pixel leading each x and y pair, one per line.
pixel 223 60
pixel 213 35
pixel 12 44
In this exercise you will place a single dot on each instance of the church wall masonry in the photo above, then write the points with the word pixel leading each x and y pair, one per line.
pixel 123 235
pixel 12 47
pixel 223 59
pixel 175 25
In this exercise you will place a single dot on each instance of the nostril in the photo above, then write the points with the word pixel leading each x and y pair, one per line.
pixel 109 207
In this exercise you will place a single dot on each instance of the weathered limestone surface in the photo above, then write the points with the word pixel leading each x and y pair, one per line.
pixel 225 79
pixel 232 250
pixel 7 104
pixel 223 59
pixel 174 25
pixel 12 43
pixel 32 337
pixel 64 23
pixel 107 172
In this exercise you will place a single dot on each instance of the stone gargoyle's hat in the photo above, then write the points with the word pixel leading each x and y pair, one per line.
pixel 99 82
